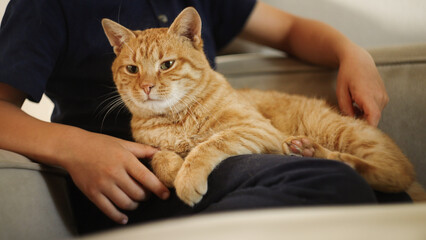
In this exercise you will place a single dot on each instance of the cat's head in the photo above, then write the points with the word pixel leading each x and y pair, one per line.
pixel 156 70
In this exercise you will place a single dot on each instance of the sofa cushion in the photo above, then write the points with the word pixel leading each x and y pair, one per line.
pixel 34 200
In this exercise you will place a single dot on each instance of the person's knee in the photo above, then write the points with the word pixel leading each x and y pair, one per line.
pixel 289 181
pixel 321 181
pixel 347 185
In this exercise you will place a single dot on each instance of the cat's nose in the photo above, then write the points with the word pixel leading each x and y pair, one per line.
pixel 146 87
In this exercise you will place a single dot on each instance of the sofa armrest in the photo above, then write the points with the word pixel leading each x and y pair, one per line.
pixel 34 202
pixel 400 221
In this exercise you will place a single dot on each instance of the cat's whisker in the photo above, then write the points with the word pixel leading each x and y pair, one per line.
pixel 206 111
pixel 107 102
pixel 112 103
pixel 120 108
pixel 116 104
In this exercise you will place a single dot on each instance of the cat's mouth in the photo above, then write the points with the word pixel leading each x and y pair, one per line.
pixel 141 100
pixel 151 99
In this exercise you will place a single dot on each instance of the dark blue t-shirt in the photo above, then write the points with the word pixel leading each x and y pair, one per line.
pixel 58 47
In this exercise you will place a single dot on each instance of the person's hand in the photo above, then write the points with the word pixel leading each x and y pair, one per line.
pixel 359 82
pixel 108 172
pixel 313 41
pixel 106 169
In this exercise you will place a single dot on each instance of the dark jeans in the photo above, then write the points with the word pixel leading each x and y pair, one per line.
pixel 252 182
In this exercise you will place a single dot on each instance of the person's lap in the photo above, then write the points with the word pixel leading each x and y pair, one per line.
pixel 251 182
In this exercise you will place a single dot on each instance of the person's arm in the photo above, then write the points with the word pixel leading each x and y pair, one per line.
pixel 358 79
pixel 106 169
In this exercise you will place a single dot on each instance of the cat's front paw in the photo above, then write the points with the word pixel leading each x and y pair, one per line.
pixel 165 165
pixel 190 184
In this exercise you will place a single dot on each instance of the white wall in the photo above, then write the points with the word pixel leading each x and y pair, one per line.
pixel 370 23
pixel 3 6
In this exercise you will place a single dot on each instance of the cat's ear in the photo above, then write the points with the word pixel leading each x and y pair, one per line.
pixel 117 35
pixel 188 24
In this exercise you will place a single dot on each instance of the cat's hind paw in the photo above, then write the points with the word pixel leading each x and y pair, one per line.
pixel 305 147
pixel 299 146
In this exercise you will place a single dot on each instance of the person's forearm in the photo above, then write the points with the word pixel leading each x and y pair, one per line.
pixel 309 40
pixel 317 43
pixel 41 141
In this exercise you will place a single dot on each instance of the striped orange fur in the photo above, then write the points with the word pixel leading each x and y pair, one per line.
pixel 191 113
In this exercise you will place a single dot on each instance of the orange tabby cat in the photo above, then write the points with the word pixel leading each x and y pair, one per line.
pixel 189 111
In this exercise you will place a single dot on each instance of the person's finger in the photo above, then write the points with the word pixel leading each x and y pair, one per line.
pixel 372 113
pixel 148 180
pixel 106 206
pixel 382 101
pixel 344 100
pixel 133 189
pixel 140 150
pixel 119 198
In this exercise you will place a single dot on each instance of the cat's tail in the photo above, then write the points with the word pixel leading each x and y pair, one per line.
pixel 379 160
pixel 417 192
pixel 390 170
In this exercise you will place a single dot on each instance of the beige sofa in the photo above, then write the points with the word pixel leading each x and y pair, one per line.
pixel 34 203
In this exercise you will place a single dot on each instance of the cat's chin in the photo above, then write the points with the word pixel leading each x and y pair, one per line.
pixel 151 107
pixel 153 101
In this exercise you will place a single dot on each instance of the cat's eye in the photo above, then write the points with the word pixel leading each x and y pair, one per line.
pixel 132 69
pixel 167 64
